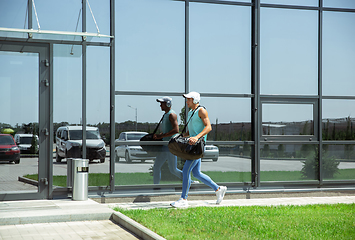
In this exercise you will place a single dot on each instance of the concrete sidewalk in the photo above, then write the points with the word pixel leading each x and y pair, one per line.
pixel 67 219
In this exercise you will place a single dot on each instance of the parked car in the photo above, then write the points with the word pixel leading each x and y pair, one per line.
pixel 9 151
pixel 69 143
pixel 129 152
pixel 24 142
pixel 211 152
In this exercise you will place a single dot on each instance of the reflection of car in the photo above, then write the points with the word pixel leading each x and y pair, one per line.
pixel 69 143
pixel 9 151
pixel 211 152
pixel 24 142
pixel 130 152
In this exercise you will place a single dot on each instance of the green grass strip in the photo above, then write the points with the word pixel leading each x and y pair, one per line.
pixel 254 222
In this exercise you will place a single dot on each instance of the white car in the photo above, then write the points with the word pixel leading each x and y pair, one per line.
pixel 24 142
pixel 69 140
pixel 130 152
pixel 211 152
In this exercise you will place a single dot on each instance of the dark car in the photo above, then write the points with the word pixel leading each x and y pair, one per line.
pixel 9 151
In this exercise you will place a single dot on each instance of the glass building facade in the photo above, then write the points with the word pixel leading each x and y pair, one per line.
pixel 276 77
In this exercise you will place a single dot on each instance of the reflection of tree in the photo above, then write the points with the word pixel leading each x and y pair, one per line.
pixel 265 151
pixel 281 150
pixel 342 129
pixel 310 169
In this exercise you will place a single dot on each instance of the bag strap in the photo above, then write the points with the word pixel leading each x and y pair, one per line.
pixel 183 130
pixel 156 128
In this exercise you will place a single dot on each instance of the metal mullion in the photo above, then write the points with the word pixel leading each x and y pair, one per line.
pixel 112 96
pixel 289 142
pixel 290 97
pixel 296 7
pixel 51 128
pixel 255 87
pixel 329 9
pixel 219 2
pixel 339 97
pixel 83 114
pixel 332 142
pixel 29 9
pixel 132 93
pixel 319 117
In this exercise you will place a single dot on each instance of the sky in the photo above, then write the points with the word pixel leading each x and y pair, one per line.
pixel 150 55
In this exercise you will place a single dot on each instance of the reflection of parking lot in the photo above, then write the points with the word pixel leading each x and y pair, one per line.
pixel 10 172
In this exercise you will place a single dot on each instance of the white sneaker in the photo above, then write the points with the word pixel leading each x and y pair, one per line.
pixel 181 203
pixel 220 194
pixel 195 182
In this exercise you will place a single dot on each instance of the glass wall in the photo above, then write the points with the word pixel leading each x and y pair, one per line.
pixel 157 54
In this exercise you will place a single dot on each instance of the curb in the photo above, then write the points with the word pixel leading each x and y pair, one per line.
pixel 135 227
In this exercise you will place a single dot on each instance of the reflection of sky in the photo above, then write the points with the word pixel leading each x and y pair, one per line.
pixel 150 57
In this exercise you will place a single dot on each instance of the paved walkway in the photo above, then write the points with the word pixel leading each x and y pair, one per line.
pixel 67 219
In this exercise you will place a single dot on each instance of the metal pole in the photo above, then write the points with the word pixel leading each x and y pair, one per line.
pixel 136 109
pixel 83 19
pixel 136 119
pixel 320 93
pixel 112 96
pixel 255 87
pixel 29 8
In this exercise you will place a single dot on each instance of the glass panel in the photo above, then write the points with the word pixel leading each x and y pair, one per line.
pixel 98 113
pixel 223 163
pixel 288 51
pixel 220 53
pixel 287 162
pixel 339 162
pixel 338 54
pixel 232 125
pixel 338 119
pixel 63 15
pixel 13 14
pixel 19 118
pixel 292 2
pixel 67 104
pixel 232 165
pixel 287 119
pixel 150 48
pixel 101 15
pixel 339 3
pixel 147 111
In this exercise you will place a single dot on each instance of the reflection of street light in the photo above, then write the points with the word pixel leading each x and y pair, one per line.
pixel 136 115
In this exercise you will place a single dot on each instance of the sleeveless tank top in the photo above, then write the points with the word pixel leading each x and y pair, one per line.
pixel 165 125
pixel 195 125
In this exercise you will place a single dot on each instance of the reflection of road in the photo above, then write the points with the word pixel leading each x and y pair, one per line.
pixel 224 164
pixel 9 172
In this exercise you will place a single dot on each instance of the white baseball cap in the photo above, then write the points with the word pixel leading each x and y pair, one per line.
pixel 194 95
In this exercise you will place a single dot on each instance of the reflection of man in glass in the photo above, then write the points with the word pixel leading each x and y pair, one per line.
pixel 169 126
